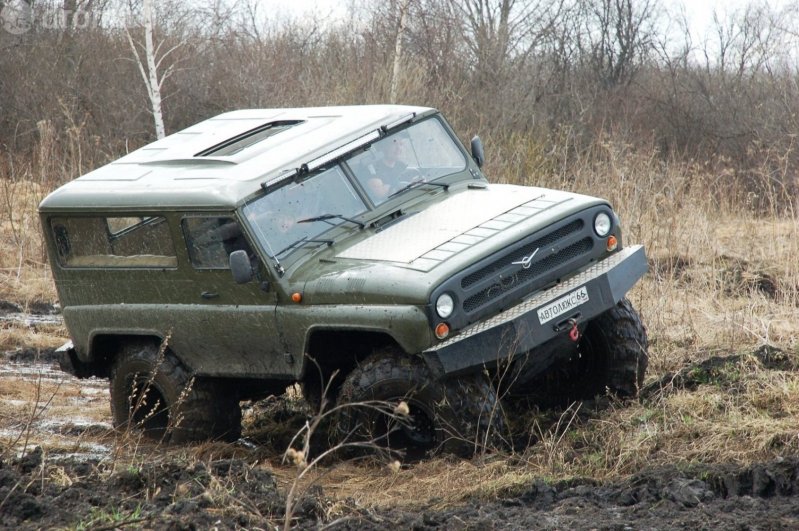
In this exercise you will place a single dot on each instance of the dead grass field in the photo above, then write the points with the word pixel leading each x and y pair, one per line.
pixel 722 285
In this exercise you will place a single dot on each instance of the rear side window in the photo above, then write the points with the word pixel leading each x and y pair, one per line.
pixel 210 240
pixel 113 242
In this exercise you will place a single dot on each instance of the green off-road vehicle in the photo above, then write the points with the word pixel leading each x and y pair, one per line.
pixel 357 251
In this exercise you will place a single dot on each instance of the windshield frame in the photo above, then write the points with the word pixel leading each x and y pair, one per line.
pixel 343 219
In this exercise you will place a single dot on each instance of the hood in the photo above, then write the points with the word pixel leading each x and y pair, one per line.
pixel 406 261
pixel 424 239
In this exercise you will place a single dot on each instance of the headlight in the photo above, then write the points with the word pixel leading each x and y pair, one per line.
pixel 602 224
pixel 445 305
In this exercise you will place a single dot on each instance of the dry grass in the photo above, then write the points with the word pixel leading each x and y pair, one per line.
pixel 723 281
pixel 743 413
pixel 25 277
pixel 24 273
pixel 19 335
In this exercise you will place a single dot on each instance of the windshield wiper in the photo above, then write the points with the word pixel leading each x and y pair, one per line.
pixel 414 184
pixel 328 217
pixel 302 241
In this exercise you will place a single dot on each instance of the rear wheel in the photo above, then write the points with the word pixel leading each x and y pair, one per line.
pixel 152 391
pixel 459 415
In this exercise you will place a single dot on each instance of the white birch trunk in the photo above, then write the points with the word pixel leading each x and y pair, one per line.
pixel 153 84
pixel 395 74
pixel 148 67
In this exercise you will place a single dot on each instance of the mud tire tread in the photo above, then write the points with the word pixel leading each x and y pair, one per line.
pixel 465 408
pixel 621 343
pixel 206 410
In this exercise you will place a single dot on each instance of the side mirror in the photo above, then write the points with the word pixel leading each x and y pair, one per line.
pixel 478 154
pixel 241 267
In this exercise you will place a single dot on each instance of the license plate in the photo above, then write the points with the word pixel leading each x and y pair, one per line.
pixel 562 305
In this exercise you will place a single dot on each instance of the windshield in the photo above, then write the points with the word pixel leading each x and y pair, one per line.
pixel 422 152
pixel 284 218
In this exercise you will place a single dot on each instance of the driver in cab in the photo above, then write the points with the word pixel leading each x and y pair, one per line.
pixel 389 168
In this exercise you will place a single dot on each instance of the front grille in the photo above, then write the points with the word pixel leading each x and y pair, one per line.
pixel 519 269
pixel 540 243
pixel 526 277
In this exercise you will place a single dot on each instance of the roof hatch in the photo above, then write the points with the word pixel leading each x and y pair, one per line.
pixel 233 145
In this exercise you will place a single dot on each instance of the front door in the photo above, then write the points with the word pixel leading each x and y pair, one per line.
pixel 234 325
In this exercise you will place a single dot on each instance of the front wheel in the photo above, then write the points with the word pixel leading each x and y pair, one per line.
pixel 460 415
pixel 152 391
pixel 613 353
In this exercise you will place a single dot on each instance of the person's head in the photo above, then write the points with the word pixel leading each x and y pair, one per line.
pixel 391 149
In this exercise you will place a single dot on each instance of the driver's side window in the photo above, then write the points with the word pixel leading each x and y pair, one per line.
pixel 210 240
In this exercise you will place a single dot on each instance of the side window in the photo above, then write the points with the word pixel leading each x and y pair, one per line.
pixel 113 242
pixel 210 240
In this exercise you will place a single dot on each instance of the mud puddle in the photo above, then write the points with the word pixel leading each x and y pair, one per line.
pixel 63 466
pixel 28 371
pixel 31 320
pixel 42 406
pixel 37 313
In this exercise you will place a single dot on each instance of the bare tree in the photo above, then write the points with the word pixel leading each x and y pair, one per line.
pixel 617 37
pixel 150 59
pixel 403 20
pixel 497 31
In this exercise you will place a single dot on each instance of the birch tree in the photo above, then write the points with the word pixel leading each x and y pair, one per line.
pixel 150 59
pixel 395 74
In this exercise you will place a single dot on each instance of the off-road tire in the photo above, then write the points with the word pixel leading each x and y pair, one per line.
pixel 460 415
pixel 175 408
pixel 614 353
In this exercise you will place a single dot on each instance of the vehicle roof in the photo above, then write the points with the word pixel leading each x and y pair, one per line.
pixel 177 172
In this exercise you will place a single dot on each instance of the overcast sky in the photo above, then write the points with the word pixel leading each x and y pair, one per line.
pixel 699 12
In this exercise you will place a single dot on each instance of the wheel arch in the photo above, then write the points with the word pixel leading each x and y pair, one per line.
pixel 329 350
pixel 105 347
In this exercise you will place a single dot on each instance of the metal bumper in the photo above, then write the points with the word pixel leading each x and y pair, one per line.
pixel 519 329
pixel 68 361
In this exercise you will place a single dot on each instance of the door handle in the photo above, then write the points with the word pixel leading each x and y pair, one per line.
pixel 209 295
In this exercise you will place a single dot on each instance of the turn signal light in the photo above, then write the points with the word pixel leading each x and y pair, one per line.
pixel 442 330
pixel 296 297
pixel 612 243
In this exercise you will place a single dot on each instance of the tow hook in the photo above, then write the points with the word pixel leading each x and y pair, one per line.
pixel 570 325
pixel 574 332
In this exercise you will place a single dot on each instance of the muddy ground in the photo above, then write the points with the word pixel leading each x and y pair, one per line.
pixel 234 494
pixel 63 467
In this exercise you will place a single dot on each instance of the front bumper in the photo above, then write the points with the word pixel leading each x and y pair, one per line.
pixel 519 329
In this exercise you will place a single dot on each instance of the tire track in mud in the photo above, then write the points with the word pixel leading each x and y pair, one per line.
pixel 761 496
